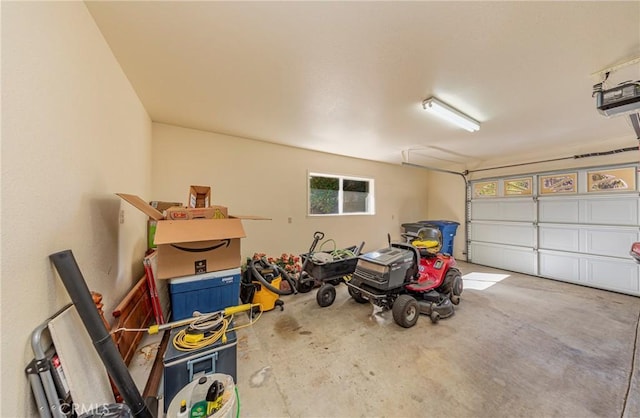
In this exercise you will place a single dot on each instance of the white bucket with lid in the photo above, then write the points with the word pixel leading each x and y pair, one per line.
pixel 229 406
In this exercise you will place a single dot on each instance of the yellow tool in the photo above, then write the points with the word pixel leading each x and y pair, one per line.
pixel 214 397
pixel 231 310
pixel 202 329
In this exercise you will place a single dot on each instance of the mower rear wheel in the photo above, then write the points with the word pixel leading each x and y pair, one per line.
pixel 452 285
pixel 405 311
pixel 326 295
pixel 357 296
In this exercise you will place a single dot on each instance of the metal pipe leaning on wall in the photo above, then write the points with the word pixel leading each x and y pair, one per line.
pixel 67 267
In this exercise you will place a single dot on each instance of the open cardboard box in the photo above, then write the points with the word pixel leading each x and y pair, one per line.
pixel 199 196
pixel 194 246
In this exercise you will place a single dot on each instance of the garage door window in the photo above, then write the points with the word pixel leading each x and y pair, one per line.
pixel 340 195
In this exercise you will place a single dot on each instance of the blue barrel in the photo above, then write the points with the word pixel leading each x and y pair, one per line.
pixel 448 230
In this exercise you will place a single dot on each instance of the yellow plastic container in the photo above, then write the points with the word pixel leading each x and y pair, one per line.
pixel 265 297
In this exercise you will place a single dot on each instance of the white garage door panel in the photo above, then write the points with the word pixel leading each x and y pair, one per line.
pixel 619 275
pixel 487 210
pixel 512 234
pixel 599 210
pixel 560 266
pixel 559 211
pixel 504 210
pixel 559 238
pixel 611 242
pixel 601 272
pixel 619 210
pixel 485 254
pixel 522 260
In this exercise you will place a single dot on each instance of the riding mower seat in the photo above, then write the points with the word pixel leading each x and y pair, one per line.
pixel 428 241
pixel 427 248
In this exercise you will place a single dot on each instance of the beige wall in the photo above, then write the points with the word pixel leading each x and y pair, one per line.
pixel 73 134
pixel 259 178
pixel 446 201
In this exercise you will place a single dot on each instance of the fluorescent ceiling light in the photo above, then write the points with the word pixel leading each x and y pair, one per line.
pixel 447 112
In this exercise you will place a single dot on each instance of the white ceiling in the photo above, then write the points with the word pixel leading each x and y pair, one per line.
pixel 349 77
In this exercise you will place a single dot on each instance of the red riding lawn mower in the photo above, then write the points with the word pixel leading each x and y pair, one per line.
pixel 409 278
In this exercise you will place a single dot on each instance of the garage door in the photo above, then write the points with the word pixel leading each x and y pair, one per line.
pixel 573 226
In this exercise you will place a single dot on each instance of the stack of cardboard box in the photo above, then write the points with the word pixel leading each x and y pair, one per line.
pixel 198 251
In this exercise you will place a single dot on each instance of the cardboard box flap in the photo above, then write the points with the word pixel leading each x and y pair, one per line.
pixel 169 232
pixel 141 205
pixel 162 206
pixel 250 217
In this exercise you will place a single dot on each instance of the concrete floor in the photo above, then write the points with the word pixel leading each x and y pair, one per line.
pixel 523 347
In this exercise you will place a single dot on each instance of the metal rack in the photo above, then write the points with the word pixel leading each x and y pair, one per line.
pixel 39 371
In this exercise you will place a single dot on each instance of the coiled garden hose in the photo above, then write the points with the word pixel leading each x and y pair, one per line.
pixel 334 255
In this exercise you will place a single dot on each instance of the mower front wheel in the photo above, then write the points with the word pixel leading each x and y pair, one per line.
pixel 435 317
pixel 326 295
pixel 357 296
pixel 405 311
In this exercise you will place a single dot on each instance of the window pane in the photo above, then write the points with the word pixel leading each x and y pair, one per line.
pixel 323 196
pixel 355 186
pixel 355 196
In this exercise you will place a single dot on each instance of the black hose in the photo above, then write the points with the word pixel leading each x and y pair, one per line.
pixel 256 274
pixel 72 279
pixel 292 283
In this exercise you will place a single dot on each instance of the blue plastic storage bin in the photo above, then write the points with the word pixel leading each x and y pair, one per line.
pixel 448 230
pixel 208 292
